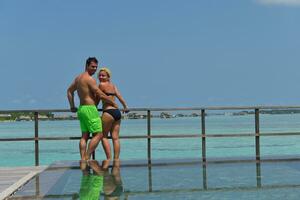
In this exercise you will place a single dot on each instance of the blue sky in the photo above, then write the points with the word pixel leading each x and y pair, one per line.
pixel 162 53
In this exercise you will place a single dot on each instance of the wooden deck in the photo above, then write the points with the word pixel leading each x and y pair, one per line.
pixel 11 178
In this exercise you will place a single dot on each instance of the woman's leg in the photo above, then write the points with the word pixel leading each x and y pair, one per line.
pixel 115 137
pixel 107 121
pixel 93 144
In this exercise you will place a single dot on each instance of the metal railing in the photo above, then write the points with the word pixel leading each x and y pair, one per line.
pixel 202 133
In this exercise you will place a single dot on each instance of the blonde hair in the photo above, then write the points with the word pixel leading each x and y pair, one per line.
pixel 106 70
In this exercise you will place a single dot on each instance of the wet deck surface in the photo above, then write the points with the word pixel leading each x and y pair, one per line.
pixel 174 179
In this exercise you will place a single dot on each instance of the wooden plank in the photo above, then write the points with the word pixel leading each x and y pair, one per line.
pixel 11 178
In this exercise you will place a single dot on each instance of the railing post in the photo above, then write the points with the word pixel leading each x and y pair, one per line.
pixel 204 176
pixel 257 142
pixel 203 135
pixel 257 146
pixel 36 138
pixel 37 186
pixel 149 150
pixel 149 135
pixel 258 175
pixel 150 177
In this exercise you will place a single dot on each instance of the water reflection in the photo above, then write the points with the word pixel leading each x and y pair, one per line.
pixel 98 180
pixel 113 187
pixel 166 180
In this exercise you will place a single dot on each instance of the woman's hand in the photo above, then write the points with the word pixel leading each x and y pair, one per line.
pixel 125 110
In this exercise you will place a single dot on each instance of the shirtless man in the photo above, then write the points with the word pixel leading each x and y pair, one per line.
pixel 87 113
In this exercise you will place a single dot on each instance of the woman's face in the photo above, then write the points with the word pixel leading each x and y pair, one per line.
pixel 103 76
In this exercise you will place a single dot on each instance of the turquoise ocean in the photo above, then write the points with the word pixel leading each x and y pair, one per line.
pixel 22 153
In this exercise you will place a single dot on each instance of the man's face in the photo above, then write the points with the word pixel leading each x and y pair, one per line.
pixel 92 68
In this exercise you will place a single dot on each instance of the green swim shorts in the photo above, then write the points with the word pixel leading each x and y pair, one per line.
pixel 90 121
pixel 91 187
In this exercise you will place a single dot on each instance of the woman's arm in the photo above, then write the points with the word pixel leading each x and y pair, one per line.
pixel 122 101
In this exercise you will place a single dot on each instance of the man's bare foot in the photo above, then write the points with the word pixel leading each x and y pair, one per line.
pixel 93 163
pixel 87 157
pixel 95 166
pixel 82 164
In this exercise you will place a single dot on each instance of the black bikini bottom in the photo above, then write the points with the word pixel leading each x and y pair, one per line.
pixel 115 113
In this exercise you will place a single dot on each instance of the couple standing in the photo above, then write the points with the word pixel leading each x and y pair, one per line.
pixel 90 122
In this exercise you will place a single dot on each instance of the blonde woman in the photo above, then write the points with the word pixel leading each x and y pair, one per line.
pixel 111 115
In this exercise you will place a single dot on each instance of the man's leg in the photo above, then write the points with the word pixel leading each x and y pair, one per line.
pixel 93 144
pixel 82 145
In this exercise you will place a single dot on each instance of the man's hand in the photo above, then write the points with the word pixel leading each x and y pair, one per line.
pixel 73 109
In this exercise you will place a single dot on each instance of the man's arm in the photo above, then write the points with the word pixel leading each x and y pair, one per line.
pixel 97 98
pixel 70 93
pixel 99 93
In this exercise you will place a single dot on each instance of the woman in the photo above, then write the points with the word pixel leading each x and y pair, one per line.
pixel 112 183
pixel 111 116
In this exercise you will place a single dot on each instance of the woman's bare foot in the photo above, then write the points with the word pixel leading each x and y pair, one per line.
pixel 116 162
pixel 105 164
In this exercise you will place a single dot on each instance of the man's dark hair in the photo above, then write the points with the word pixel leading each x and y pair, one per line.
pixel 89 60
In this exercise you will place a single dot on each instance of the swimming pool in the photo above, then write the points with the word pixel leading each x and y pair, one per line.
pixel 166 179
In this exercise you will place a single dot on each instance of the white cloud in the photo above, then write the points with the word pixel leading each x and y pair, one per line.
pixel 280 2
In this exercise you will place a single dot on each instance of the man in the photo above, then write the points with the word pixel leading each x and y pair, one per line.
pixel 91 185
pixel 88 115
